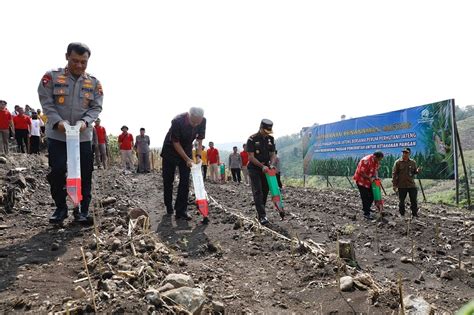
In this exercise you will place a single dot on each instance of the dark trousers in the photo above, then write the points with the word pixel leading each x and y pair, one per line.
pixel 57 175
pixel 367 198
pixel 21 136
pixel 169 169
pixel 35 144
pixel 278 176
pixel 204 171
pixel 259 185
pixel 236 174
pixel 402 194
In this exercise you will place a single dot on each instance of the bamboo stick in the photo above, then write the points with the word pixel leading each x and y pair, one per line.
pixel 89 277
pixel 400 291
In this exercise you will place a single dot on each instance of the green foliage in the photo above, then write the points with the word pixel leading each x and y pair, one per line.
pixel 113 146
pixel 462 114
pixel 291 154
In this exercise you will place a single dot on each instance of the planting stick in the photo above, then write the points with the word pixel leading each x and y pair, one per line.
pixel 89 277
pixel 400 291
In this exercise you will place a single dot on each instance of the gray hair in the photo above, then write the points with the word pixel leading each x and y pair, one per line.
pixel 196 112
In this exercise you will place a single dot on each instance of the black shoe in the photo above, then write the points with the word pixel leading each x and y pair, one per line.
pixel 205 220
pixel 402 213
pixel 76 214
pixel 58 216
pixel 368 216
pixel 183 217
pixel 169 211
pixel 84 218
pixel 264 221
pixel 414 214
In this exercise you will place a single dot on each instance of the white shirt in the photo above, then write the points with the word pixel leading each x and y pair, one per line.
pixel 35 127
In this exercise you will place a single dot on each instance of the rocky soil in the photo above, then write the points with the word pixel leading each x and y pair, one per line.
pixel 140 260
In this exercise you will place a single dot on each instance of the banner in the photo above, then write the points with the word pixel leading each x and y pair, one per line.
pixel 335 149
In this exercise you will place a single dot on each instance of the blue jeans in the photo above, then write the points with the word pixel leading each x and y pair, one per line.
pixel 57 176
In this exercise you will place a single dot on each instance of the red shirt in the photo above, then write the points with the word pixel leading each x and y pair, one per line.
pixel 245 158
pixel 126 141
pixel 367 166
pixel 21 122
pixel 212 155
pixel 5 118
pixel 101 134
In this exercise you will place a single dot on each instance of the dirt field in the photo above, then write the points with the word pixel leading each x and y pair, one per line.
pixel 238 264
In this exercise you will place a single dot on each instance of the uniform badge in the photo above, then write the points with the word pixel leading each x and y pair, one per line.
pixel 61 100
pixel 87 84
pixel 99 89
pixel 257 151
pixel 46 79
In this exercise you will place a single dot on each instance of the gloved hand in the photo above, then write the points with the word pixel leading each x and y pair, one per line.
pixel 265 169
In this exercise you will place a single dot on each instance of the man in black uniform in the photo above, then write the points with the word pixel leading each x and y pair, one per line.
pixel 177 152
pixel 261 150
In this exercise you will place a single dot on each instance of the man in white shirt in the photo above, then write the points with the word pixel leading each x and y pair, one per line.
pixel 35 134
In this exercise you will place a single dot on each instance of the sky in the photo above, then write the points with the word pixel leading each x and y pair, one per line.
pixel 294 62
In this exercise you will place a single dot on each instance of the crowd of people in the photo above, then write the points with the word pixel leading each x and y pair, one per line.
pixel 25 125
pixel 237 165
pixel 182 147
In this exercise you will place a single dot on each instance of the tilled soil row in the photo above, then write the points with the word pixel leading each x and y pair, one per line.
pixel 236 264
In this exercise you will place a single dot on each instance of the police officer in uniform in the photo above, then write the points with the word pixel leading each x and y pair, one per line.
pixel 70 95
pixel 261 151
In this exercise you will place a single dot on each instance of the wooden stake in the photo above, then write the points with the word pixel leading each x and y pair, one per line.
pixel 459 261
pixel 400 291
pixel 412 251
pixel 408 227
pixel 90 281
